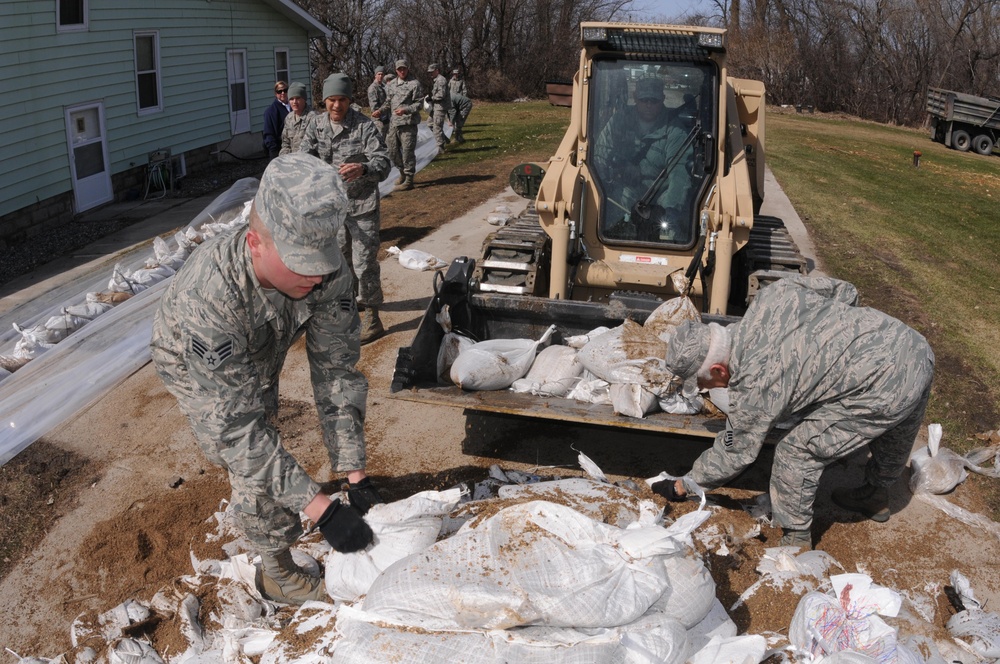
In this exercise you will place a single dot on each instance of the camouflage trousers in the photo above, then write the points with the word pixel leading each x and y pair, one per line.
pixel 269 526
pixel 402 143
pixel 358 237
pixel 437 118
pixel 887 419
pixel 382 128
pixel 457 121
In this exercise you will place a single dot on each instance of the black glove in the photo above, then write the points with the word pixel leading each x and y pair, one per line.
pixel 668 489
pixel 363 495
pixel 344 529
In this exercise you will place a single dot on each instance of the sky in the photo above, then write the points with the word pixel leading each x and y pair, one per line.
pixel 672 9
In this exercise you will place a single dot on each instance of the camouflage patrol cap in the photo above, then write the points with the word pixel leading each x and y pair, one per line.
pixel 302 202
pixel 402 62
pixel 380 69
pixel 688 349
pixel 456 71
pixel 432 67
pixel 297 90
pixel 338 84
pixel 649 88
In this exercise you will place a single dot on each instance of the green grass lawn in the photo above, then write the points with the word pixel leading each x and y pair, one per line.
pixel 920 243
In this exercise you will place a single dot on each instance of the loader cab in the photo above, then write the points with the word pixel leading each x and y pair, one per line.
pixel 651 126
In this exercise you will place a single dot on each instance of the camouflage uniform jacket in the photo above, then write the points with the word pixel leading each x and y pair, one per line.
pixel 295 129
pixel 440 95
pixel 630 159
pixel 357 140
pixel 376 96
pixel 458 87
pixel 219 342
pixel 462 104
pixel 802 346
pixel 407 94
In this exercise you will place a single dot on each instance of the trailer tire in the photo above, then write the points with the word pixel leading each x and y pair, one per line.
pixel 983 144
pixel 960 140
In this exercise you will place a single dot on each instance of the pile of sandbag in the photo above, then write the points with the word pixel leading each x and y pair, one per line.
pixel 124 284
pixel 622 367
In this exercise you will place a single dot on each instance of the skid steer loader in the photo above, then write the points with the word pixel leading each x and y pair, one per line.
pixel 660 173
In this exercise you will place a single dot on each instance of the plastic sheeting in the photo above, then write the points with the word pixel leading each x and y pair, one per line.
pixel 79 370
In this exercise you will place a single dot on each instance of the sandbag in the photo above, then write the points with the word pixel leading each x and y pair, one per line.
pixel 628 354
pixel 368 637
pixel 665 318
pixel 555 371
pixel 537 563
pixel 414 259
pixel 495 364
pixel 632 400
pixel 401 528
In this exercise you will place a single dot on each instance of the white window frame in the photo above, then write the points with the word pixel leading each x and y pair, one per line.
pixel 282 75
pixel 75 27
pixel 239 121
pixel 155 34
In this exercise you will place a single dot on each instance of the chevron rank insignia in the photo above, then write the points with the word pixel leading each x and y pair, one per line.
pixel 213 357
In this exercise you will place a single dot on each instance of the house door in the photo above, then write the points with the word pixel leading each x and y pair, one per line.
pixel 239 94
pixel 88 155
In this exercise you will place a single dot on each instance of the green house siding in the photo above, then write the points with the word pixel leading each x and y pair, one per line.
pixel 52 71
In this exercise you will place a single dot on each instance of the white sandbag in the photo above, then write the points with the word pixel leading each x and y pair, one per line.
pixel 591 389
pixel 538 563
pixel 746 649
pixel 628 354
pixel 979 629
pixel 598 500
pixel 555 371
pixel 686 401
pixel 132 651
pixel 665 318
pixel 452 345
pixel 847 620
pixel 580 340
pixel 632 400
pixel 401 528
pixel 495 364
pixel 690 592
pixel 368 637
pixel 936 470
pixel 720 397
pixel 715 624
pixel 414 259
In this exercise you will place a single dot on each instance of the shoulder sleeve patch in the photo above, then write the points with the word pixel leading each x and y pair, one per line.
pixel 213 357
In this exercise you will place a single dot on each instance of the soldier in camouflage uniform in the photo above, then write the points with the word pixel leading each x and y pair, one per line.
pixel 440 99
pixel 376 100
pixel 404 98
pixel 220 337
pixel 349 141
pixel 461 106
pixel 847 375
pixel 630 154
pixel 296 121
pixel 456 85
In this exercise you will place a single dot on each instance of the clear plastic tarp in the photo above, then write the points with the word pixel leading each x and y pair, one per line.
pixel 89 356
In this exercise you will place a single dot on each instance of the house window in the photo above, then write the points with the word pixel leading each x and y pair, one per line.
pixel 281 72
pixel 147 72
pixel 71 15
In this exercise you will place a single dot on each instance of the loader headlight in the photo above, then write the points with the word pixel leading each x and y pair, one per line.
pixel 711 41
pixel 591 35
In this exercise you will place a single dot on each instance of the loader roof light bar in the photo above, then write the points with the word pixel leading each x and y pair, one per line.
pixel 668 44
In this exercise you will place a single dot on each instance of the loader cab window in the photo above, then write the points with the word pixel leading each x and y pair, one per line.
pixel 651 126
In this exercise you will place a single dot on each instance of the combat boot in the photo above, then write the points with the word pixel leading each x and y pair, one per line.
pixel 866 499
pixel 406 185
pixel 400 180
pixel 279 579
pixel 799 538
pixel 371 325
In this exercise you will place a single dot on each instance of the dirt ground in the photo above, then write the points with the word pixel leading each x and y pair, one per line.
pixel 123 497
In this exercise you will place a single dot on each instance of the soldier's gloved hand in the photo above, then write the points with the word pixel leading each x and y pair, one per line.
pixel 668 489
pixel 363 495
pixel 344 528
